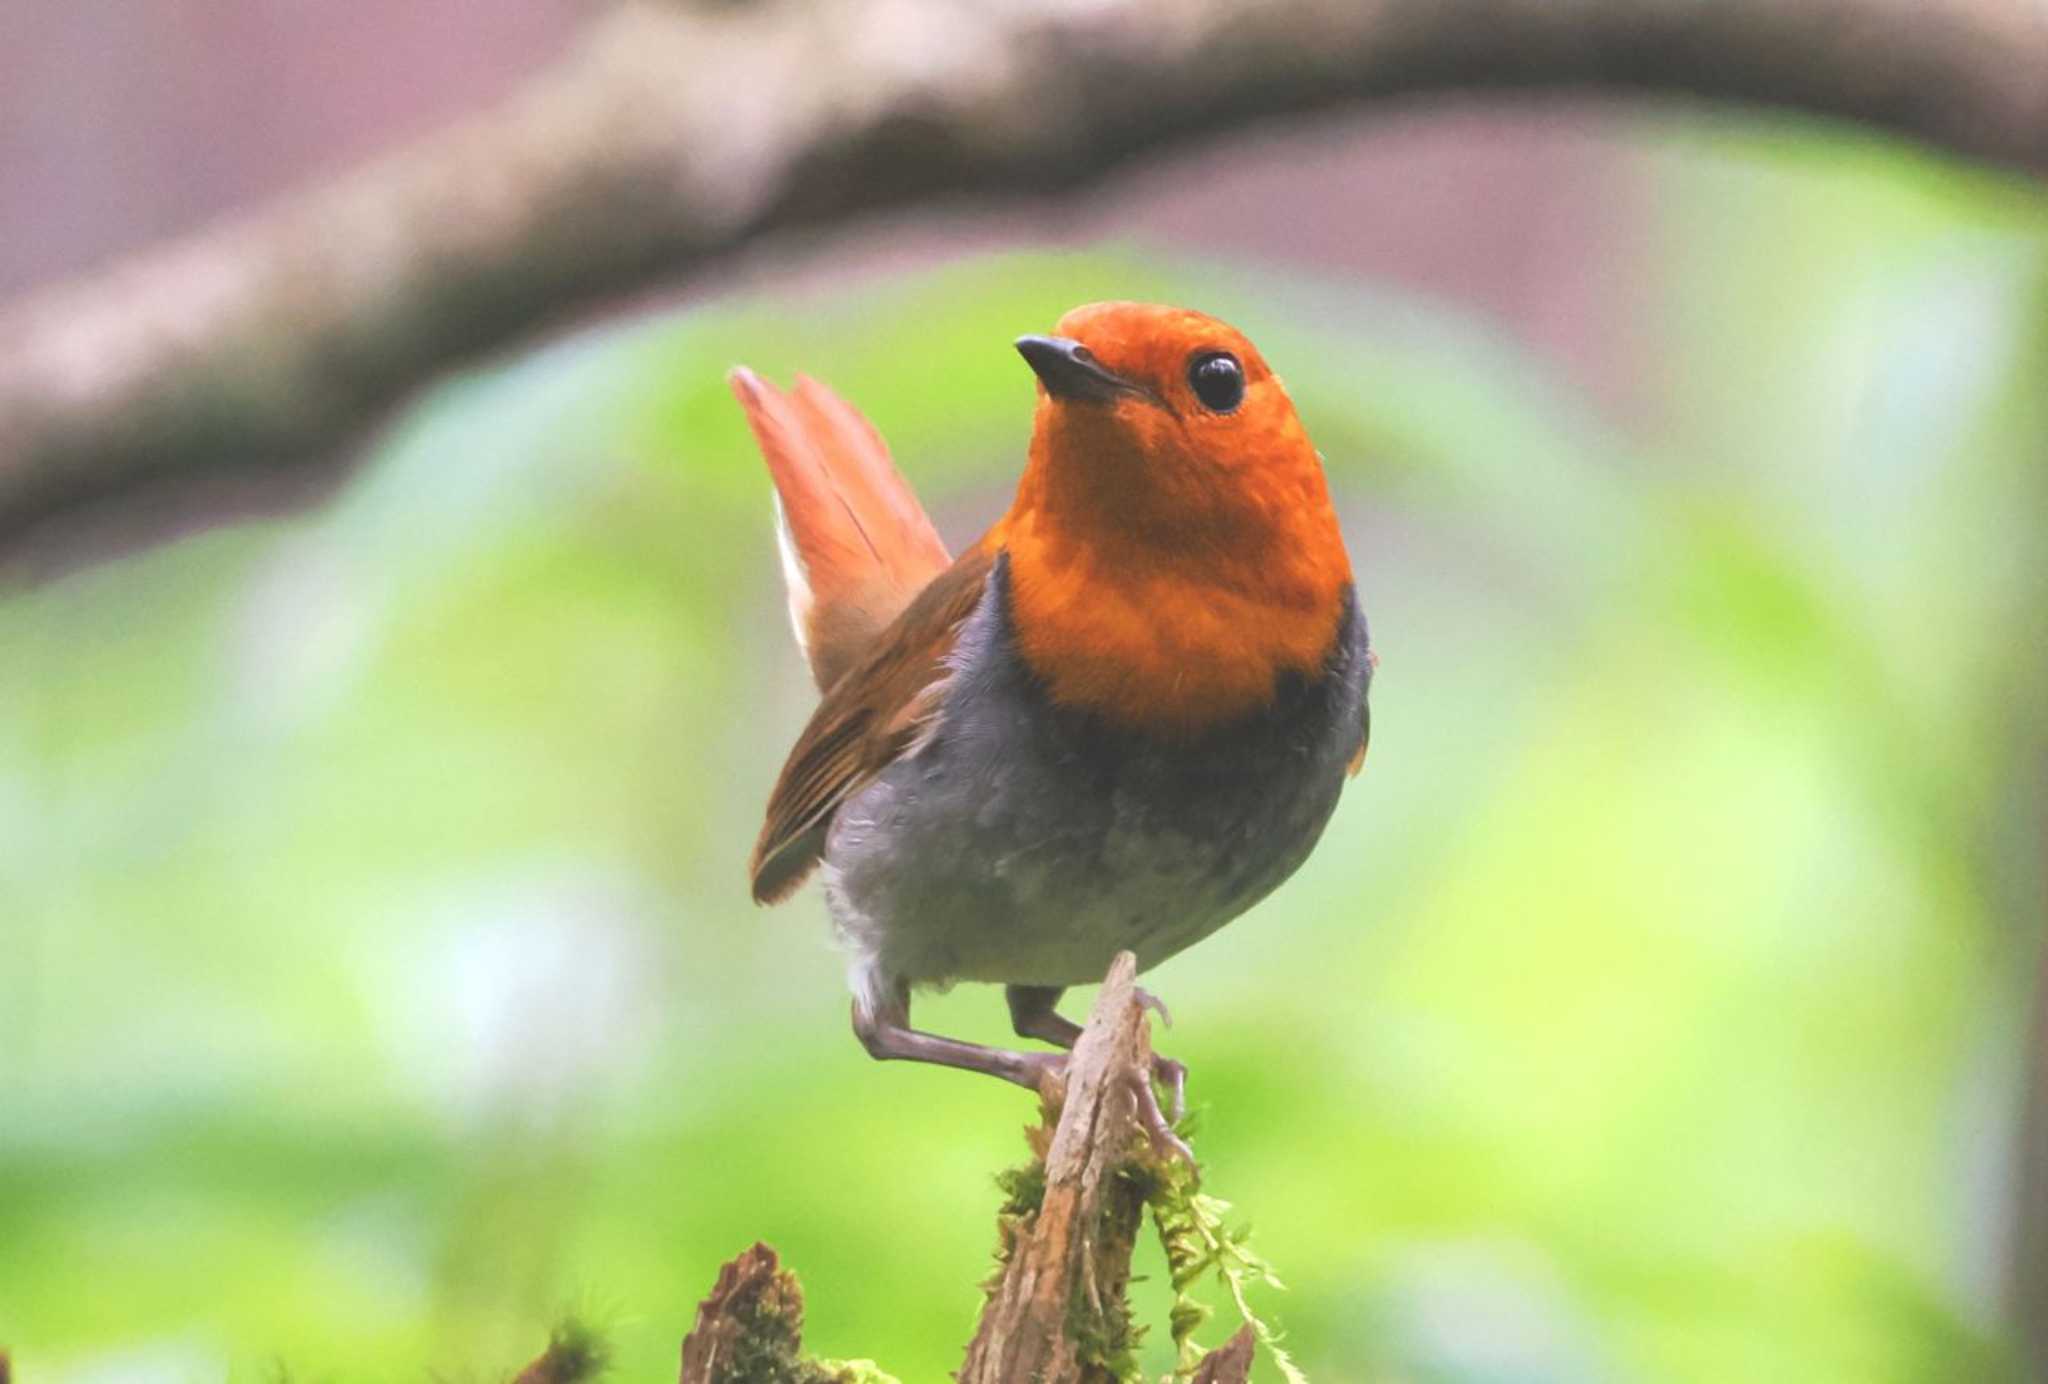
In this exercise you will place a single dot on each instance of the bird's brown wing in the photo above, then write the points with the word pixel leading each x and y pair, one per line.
pixel 867 718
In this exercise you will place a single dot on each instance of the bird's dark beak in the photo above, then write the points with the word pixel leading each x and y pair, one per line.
pixel 1071 371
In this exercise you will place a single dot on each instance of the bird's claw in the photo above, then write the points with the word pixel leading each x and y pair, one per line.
pixel 1174 1077
pixel 1158 1128
pixel 1147 1000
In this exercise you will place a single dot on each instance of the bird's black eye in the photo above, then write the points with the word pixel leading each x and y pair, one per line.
pixel 1217 379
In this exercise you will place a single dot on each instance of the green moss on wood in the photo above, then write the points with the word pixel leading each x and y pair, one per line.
pixel 576 1353
pixel 750 1331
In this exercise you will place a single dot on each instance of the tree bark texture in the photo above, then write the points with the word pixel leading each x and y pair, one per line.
pixel 1229 1363
pixel 1059 1304
pixel 750 1329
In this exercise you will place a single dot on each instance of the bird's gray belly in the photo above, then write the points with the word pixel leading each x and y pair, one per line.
pixel 1012 873
pixel 1025 845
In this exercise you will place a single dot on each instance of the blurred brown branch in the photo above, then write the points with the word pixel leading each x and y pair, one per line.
pixel 672 135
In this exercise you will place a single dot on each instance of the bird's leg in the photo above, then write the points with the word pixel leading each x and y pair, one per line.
pixel 885 1032
pixel 1034 1013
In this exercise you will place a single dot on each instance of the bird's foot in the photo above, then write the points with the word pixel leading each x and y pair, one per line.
pixel 1158 1129
pixel 1174 1077
pixel 1159 1125
pixel 1147 1000
pixel 1034 1014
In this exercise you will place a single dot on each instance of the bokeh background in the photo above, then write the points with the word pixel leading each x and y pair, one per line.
pixel 377 978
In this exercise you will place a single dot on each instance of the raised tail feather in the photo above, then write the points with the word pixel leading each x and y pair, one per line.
pixel 856 545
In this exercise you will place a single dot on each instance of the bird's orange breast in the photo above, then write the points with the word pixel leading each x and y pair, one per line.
pixel 1161 591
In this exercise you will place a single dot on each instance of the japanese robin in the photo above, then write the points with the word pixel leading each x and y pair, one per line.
pixel 1115 722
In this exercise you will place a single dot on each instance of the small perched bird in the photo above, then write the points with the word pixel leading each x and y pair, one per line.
pixel 1114 723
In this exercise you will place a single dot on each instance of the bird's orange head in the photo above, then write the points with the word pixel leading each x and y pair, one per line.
pixel 1173 550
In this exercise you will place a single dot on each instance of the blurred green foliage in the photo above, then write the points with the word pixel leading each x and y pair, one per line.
pixel 379 979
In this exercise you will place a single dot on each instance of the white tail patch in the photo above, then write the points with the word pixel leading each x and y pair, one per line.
pixel 801 602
